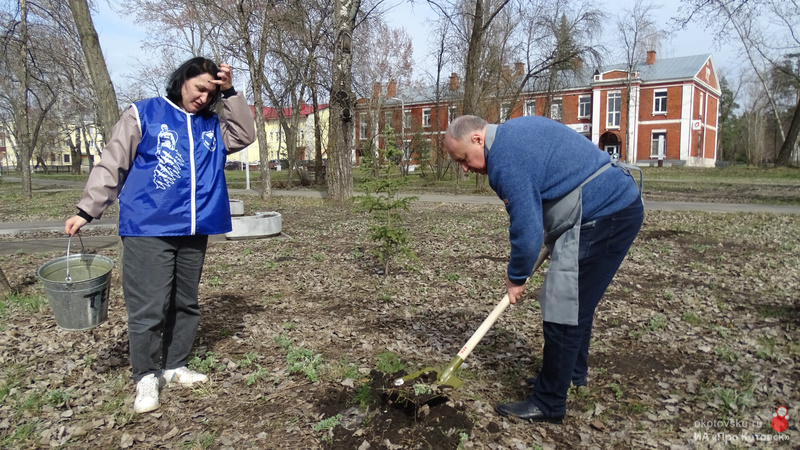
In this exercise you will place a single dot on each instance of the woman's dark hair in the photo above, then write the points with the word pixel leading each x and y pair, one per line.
pixel 190 69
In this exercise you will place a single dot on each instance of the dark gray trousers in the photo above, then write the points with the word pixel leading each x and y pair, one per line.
pixel 160 280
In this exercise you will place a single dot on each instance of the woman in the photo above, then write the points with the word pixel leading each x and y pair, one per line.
pixel 165 162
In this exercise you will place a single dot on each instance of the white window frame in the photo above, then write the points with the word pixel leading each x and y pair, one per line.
pixel 406 119
pixel 530 107
pixel 65 158
pixel 452 112
pixel 426 117
pixel 556 108
pixel 505 110
pixel 661 147
pixel 701 105
pixel 660 101
pixel 363 126
pixel 613 116
pixel 388 118
pixel 584 106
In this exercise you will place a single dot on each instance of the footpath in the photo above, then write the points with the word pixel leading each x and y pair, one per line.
pixel 96 242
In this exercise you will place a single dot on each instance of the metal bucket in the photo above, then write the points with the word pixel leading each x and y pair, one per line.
pixel 82 303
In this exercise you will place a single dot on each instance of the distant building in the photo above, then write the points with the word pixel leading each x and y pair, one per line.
pixel 673 104
pixel 276 139
pixel 55 148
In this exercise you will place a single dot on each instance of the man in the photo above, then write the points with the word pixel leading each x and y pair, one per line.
pixel 561 190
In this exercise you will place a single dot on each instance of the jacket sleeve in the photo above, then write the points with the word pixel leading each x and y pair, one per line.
pixel 108 176
pixel 237 124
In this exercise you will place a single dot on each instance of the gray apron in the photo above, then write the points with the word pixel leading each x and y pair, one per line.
pixel 562 231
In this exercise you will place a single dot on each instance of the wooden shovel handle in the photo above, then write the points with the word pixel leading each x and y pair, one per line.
pixel 492 318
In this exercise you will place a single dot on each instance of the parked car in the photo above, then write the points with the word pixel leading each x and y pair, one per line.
pixel 234 165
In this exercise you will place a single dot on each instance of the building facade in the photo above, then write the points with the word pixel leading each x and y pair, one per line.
pixel 663 112
pixel 276 137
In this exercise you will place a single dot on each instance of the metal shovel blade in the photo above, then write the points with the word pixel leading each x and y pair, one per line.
pixel 444 378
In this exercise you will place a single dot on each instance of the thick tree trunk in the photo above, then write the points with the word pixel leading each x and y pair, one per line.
pixel 785 153
pixel 471 97
pixel 108 111
pixel 75 151
pixel 340 137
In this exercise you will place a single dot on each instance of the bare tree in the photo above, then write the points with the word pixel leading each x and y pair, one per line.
pixel 638 34
pixel 382 72
pixel 753 123
pixel 768 32
pixel 29 77
pixel 251 24
pixel 445 93
pixel 480 17
pixel 107 108
pixel 557 37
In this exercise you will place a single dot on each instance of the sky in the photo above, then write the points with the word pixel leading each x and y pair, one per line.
pixel 121 38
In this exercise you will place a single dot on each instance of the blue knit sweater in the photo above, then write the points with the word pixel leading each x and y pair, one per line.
pixel 533 160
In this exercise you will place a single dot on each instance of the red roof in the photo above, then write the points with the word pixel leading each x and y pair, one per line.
pixel 272 113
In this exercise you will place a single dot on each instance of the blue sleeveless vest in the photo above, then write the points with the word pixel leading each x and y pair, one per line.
pixel 176 186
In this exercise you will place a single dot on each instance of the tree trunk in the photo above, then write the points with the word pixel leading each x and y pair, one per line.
pixel 108 111
pixel 471 90
pixel 75 150
pixel 785 153
pixel 5 287
pixel 317 133
pixel 22 119
pixel 255 64
pixel 340 137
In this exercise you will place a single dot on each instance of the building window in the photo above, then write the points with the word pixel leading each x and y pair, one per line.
pixel 406 119
pixel 426 117
pixel 66 159
pixel 555 109
pixel 505 110
pixel 387 120
pixel 3 140
pixel 584 106
pixel 530 108
pixel 362 126
pixel 613 109
pixel 658 144
pixel 701 105
pixel 451 114
pixel 660 102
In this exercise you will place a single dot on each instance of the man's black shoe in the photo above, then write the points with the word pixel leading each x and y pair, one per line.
pixel 525 410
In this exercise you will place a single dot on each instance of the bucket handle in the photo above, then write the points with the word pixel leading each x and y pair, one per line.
pixel 68 279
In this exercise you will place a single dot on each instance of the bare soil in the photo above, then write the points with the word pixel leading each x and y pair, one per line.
pixel 697 334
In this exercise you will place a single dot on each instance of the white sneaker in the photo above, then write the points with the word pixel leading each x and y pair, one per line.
pixel 183 376
pixel 146 394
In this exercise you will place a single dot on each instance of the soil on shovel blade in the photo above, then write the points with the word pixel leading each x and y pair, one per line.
pixel 418 414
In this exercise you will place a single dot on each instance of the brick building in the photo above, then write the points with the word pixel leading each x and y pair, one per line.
pixel 673 108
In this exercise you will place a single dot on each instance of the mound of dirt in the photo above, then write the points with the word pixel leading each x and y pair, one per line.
pixel 380 415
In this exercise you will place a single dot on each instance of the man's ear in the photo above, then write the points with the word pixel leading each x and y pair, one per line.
pixel 477 138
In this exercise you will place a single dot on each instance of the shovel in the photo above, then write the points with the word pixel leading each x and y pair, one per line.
pixel 446 378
